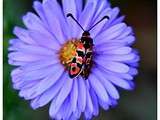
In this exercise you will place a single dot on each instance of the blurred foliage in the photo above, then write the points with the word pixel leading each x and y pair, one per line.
pixel 137 105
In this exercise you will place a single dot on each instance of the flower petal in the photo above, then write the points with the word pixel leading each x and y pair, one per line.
pixel 23 35
pixel 74 95
pixel 98 88
pixel 39 9
pixel 69 6
pixel 66 109
pixel 82 94
pixel 24 57
pixel 128 31
pixel 41 39
pixel 74 7
pixel 63 94
pixel 119 51
pixel 103 104
pixel 112 91
pixel 79 5
pixel 48 95
pixel 110 33
pixel 39 65
pixel 113 66
pixel 87 13
pixel 117 81
pixel 120 58
pixel 33 49
pixel 47 83
pixel 32 22
pixel 117 20
pixel 95 103
pixel 101 6
pixel 39 74
pixel 53 20
pixel 89 106
pixel 112 15
pixel 98 28
pixel 16 63
pixel 43 84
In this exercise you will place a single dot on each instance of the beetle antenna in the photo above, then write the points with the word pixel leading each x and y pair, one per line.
pixel 70 15
pixel 105 17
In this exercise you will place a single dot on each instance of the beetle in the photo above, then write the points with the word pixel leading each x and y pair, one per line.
pixel 82 62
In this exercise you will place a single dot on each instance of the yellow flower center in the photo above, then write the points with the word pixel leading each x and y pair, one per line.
pixel 68 51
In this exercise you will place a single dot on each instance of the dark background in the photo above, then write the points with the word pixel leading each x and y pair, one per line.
pixel 140 104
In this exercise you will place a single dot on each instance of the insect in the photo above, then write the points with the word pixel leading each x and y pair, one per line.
pixel 82 62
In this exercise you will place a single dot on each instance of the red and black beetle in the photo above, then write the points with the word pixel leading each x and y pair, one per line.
pixel 82 62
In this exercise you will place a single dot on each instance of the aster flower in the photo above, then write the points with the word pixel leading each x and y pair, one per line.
pixel 42 52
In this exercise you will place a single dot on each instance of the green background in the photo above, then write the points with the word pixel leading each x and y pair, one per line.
pixel 139 104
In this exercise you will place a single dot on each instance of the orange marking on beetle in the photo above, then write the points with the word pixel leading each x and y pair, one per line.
pixel 80 60
pixel 80 46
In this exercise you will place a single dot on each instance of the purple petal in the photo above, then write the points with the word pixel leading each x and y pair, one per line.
pixel 53 20
pixel 87 115
pixel 24 57
pixel 24 84
pixel 16 75
pixel 77 113
pixel 103 104
pixel 42 39
pixel 16 71
pixel 43 85
pixel 127 40
pixel 113 66
pixel 32 22
pixel 39 65
pixel 98 88
pixel 34 49
pixel 100 8
pixel 117 20
pixel 15 41
pixel 97 29
pixel 23 35
pixel 89 106
pixel 89 12
pixel 47 83
pixel 66 109
pixel 95 103
pixel 79 5
pixel 48 95
pixel 133 71
pixel 117 81
pixel 52 110
pixel 70 7
pixel 74 95
pixel 119 51
pixel 120 58
pixel 16 63
pixel 28 85
pixel 110 33
pixel 39 9
pixel 82 94
pixel 112 15
pixel 126 33
pixel 112 91
pixel 40 73
pixel 63 94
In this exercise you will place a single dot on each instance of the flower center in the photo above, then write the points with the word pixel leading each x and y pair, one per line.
pixel 76 58
pixel 68 51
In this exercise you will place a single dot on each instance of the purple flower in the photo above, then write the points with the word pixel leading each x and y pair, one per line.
pixel 42 50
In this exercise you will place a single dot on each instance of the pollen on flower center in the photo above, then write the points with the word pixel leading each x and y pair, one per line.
pixel 68 51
